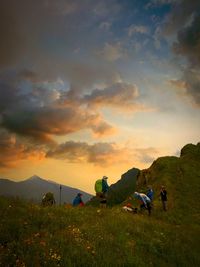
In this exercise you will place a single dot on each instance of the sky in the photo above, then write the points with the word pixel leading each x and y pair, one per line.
pixel 96 87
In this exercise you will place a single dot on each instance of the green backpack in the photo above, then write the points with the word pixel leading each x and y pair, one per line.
pixel 98 186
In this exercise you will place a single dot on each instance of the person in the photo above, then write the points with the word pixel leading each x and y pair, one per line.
pixel 163 196
pixel 105 185
pixel 101 188
pixel 78 200
pixel 150 193
pixel 48 199
pixel 145 201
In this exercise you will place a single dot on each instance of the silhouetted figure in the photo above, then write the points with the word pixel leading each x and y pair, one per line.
pixel 48 199
pixel 163 196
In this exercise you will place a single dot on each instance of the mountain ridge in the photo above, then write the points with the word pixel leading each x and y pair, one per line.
pixel 34 187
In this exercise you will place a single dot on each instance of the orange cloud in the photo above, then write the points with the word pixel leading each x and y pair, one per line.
pixel 103 154
pixel 13 151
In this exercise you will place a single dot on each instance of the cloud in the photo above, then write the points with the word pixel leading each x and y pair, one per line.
pixel 185 22
pixel 120 95
pixel 103 9
pixel 158 3
pixel 192 79
pixel 178 84
pixel 48 42
pixel 13 151
pixel 180 16
pixel 99 153
pixel 103 154
pixel 112 52
pixel 137 29
pixel 188 43
pixel 105 25
pixel 43 122
pixel 40 112
pixel 146 155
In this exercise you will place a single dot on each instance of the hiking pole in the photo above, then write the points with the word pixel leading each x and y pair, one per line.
pixel 60 194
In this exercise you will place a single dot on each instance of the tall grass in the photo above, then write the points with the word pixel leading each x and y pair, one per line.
pixel 61 236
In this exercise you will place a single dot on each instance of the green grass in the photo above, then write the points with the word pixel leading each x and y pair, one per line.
pixel 58 236
pixel 35 236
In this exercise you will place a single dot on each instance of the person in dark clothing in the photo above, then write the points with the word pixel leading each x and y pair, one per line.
pixel 103 196
pixel 150 193
pixel 105 185
pixel 78 200
pixel 163 196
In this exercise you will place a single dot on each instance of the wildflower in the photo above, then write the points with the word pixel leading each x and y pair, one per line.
pixel 37 235
pixel 42 243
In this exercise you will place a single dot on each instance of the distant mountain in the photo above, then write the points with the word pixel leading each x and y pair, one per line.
pixel 35 187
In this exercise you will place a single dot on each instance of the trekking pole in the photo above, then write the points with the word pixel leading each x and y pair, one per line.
pixel 60 194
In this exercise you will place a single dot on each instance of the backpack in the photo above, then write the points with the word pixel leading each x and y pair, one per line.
pixel 98 186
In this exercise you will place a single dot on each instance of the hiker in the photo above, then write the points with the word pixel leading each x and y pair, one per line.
pixel 48 199
pixel 105 185
pixel 150 193
pixel 78 200
pixel 163 196
pixel 145 201
pixel 101 188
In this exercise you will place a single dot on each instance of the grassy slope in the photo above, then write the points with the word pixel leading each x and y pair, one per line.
pixel 88 236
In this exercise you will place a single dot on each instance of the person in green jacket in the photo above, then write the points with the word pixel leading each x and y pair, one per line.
pixel 101 188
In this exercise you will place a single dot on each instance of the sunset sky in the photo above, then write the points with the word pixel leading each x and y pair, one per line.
pixel 96 87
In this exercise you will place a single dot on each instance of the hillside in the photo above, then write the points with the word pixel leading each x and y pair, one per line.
pixel 181 176
pixel 89 236
pixel 35 187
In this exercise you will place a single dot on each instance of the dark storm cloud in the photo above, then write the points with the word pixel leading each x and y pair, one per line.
pixel 188 43
pixel 43 123
pixel 38 112
pixel 185 19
